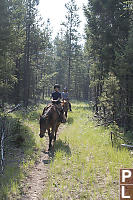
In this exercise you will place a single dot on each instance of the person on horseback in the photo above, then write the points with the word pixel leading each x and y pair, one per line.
pixel 65 96
pixel 56 100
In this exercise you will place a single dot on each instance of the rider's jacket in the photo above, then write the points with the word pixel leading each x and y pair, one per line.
pixel 56 96
pixel 64 95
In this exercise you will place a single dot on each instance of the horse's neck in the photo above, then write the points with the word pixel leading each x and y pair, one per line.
pixel 48 110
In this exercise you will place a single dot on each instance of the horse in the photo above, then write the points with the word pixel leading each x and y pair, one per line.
pixel 50 121
pixel 65 106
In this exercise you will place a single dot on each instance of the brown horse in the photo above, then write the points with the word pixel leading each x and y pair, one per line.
pixel 65 106
pixel 50 121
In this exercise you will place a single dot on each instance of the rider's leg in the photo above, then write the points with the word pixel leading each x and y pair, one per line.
pixel 70 108
pixel 60 112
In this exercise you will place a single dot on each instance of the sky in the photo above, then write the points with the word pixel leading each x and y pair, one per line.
pixel 55 11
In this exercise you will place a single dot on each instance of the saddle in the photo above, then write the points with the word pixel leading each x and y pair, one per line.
pixel 58 108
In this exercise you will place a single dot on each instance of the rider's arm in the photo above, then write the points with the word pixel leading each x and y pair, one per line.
pixel 56 99
pixel 59 97
pixel 52 97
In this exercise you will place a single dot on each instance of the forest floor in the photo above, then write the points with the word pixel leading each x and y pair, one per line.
pixel 82 165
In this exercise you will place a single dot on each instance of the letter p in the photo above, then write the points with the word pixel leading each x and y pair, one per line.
pixel 126 174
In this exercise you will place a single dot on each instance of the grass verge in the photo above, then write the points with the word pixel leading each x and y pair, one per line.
pixel 85 165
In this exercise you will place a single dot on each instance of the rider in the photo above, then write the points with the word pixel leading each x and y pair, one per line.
pixel 56 100
pixel 64 96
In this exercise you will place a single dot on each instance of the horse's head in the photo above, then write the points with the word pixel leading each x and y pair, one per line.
pixel 43 125
pixel 65 105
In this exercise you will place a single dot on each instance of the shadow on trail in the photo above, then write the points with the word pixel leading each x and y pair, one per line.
pixel 70 120
pixel 59 145
pixel 82 108
pixel 62 146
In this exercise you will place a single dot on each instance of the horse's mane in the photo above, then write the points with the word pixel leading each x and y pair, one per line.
pixel 47 112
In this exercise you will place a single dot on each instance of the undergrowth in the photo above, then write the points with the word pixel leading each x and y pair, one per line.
pixel 22 149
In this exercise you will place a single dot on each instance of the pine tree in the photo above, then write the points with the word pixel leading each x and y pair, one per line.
pixel 107 36
pixel 71 34
pixel 7 78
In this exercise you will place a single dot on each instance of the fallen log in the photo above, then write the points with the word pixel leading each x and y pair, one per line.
pixel 127 145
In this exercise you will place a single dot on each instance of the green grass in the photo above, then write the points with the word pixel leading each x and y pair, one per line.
pixel 85 166
pixel 26 125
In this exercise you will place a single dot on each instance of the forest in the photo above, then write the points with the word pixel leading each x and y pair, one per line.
pixel 99 71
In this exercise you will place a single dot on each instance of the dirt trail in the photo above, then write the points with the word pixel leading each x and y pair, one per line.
pixel 37 178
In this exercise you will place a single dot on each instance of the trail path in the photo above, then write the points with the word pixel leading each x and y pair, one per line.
pixel 37 177
pixel 35 182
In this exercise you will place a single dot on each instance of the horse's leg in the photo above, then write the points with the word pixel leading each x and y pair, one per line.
pixel 56 129
pixel 70 108
pixel 66 114
pixel 50 139
pixel 53 131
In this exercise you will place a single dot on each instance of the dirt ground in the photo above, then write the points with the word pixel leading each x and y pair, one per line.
pixel 35 182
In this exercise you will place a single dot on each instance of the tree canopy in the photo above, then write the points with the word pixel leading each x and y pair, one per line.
pixel 100 71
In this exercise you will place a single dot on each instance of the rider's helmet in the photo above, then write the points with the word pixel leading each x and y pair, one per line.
pixel 57 86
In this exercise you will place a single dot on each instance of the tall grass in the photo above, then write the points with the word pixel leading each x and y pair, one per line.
pixel 85 165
